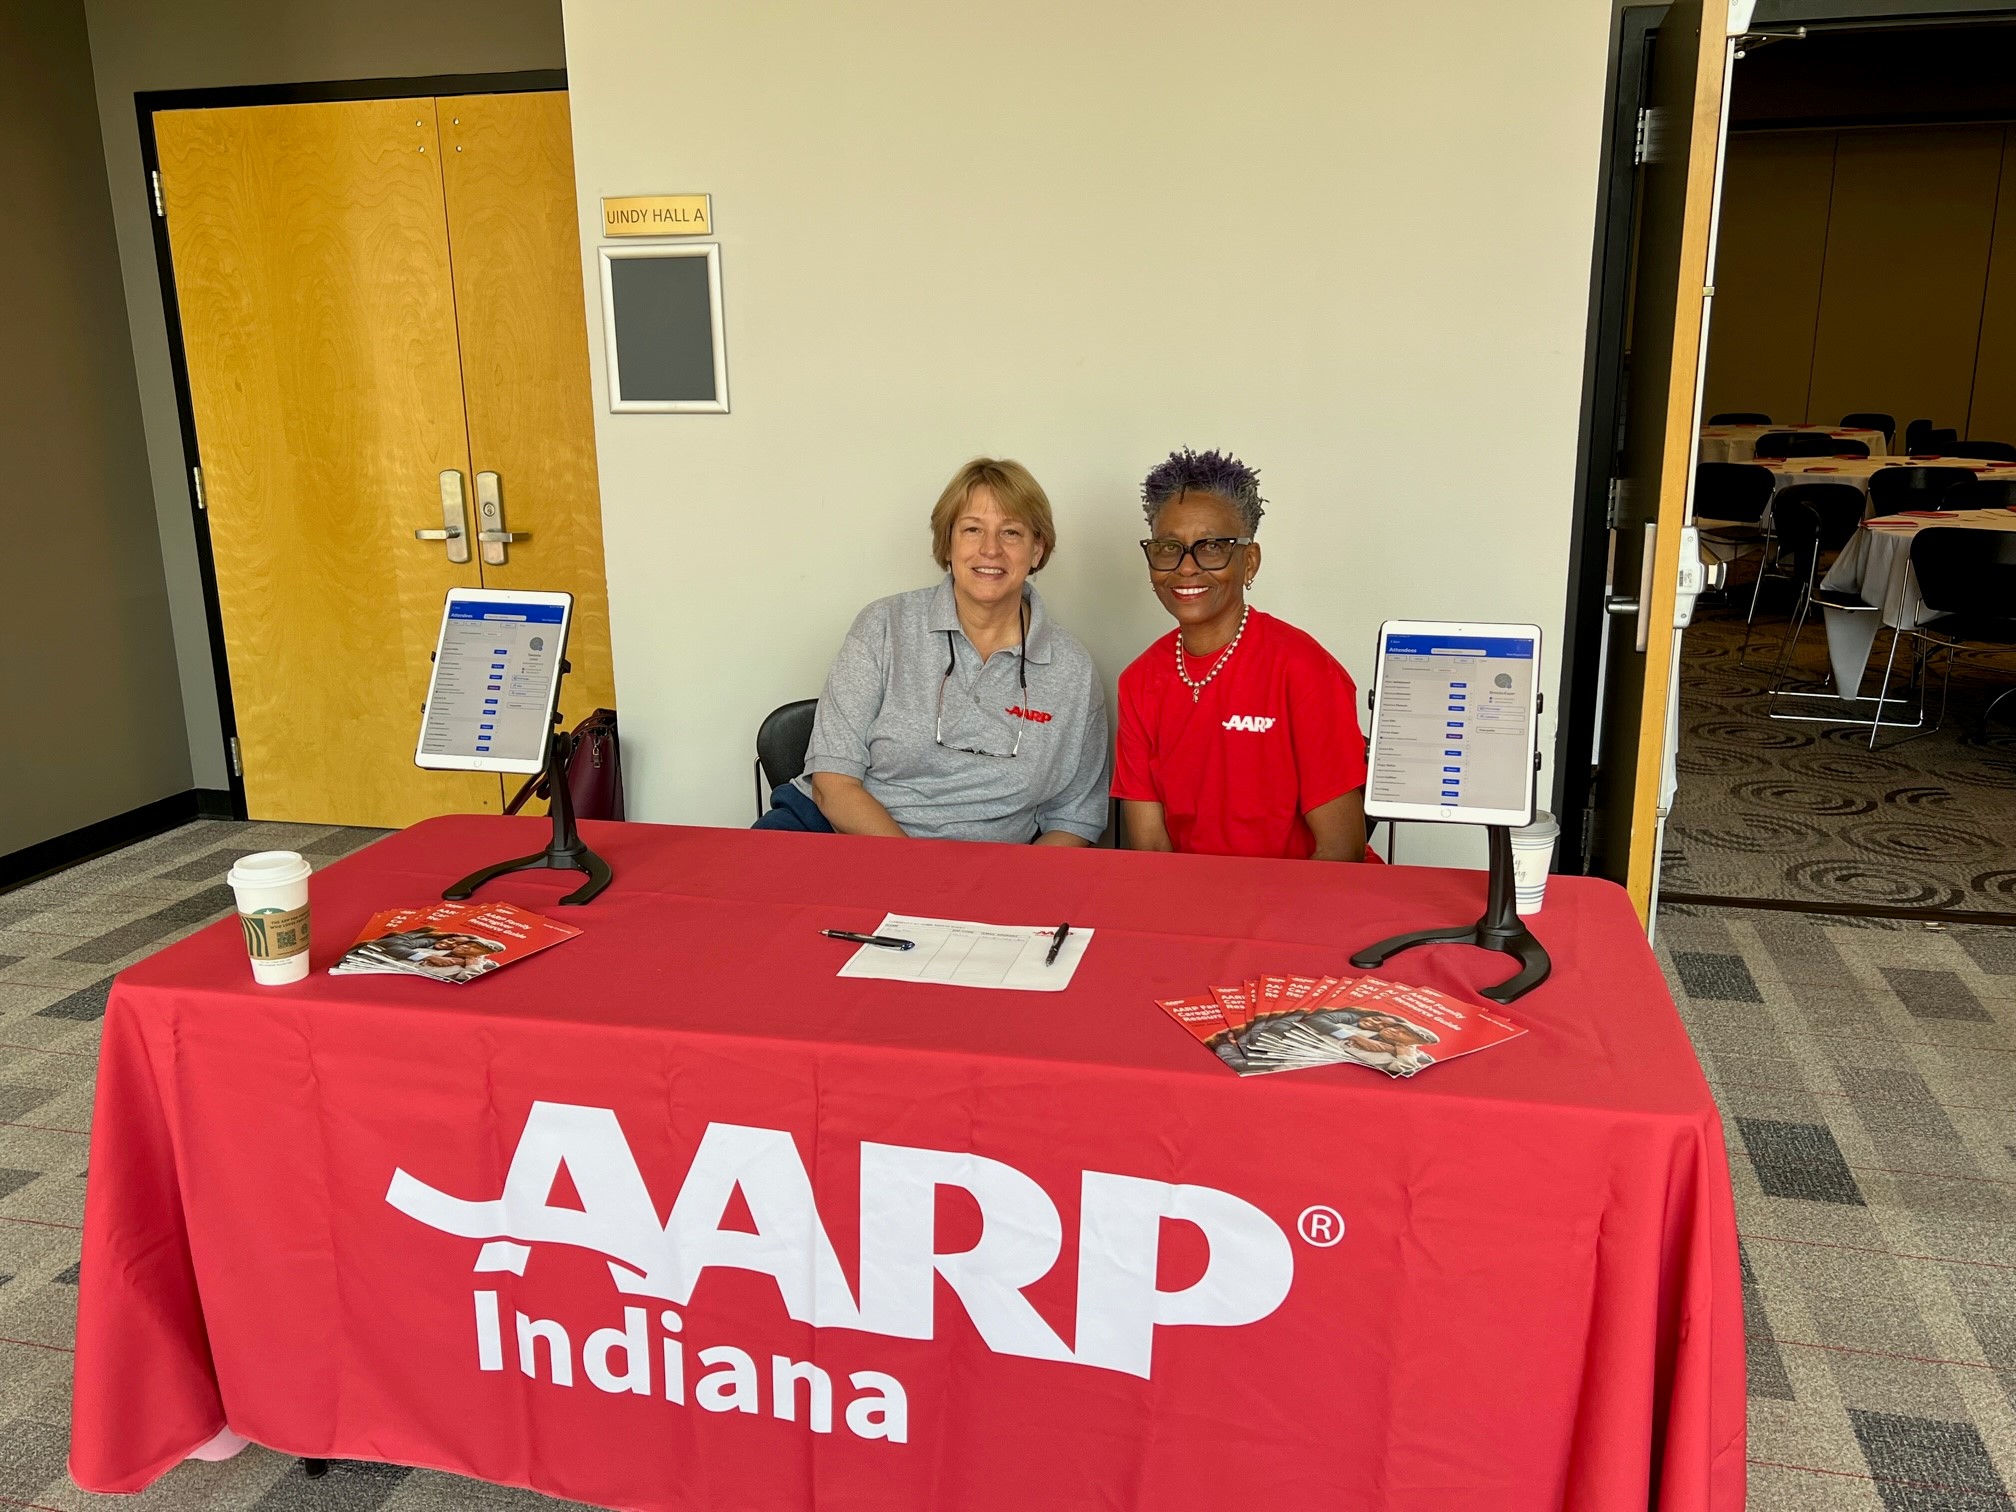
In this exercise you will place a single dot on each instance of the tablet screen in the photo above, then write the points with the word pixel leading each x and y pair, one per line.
pixel 1455 722
pixel 494 682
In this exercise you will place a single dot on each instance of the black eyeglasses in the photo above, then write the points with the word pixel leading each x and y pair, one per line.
pixel 1211 553
pixel 1021 676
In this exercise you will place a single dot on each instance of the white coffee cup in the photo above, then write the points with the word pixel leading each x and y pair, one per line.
pixel 1532 858
pixel 272 892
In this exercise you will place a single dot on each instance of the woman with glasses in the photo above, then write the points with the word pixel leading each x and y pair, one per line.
pixel 962 711
pixel 1239 734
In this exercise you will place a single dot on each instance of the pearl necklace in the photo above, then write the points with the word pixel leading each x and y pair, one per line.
pixel 1197 688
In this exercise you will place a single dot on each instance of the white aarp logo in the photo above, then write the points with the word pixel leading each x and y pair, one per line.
pixel 1119 1306
pixel 1258 724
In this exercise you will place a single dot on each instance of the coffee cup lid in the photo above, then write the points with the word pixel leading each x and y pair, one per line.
pixel 1544 827
pixel 269 869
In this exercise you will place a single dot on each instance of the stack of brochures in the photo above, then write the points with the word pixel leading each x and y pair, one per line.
pixel 449 942
pixel 1286 1023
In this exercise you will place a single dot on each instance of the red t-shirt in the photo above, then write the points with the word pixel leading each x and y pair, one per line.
pixel 1274 735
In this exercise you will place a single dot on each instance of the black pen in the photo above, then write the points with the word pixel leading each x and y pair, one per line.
pixel 1056 944
pixel 887 942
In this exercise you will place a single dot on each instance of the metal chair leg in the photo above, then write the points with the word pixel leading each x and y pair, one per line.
pixel 1882 693
pixel 1987 714
pixel 1791 644
pixel 1764 559
pixel 1920 729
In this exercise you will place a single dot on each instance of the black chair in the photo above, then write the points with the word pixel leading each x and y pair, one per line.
pixel 1733 497
pixel 1739 417
pixel 1981 493
pixel 1811 524
pixel 1983 451
pixel 1895 489
pixel 1810 520
pixel 1738 492
pixel 1916 432
pixel 780 746
pixel 1872 420
pixel 1935 443
pixel 1774 445
pixel 1971 576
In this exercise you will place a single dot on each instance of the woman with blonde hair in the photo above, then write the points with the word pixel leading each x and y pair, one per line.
pixel 962 711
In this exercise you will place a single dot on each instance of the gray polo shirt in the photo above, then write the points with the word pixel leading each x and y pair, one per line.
pixel 880 705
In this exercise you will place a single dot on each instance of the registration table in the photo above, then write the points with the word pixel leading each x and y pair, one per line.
pixel 1738 443
pixel 1875 566
pixel 670 1216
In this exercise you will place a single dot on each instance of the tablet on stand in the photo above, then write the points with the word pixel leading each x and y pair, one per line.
pixel 493 704
pixel 1455 716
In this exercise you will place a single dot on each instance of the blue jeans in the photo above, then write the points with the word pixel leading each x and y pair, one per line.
pixel 791 809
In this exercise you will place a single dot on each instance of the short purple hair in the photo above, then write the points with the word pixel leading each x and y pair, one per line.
pixel 1213 472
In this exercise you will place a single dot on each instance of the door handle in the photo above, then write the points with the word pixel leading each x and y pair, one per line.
pixel 454 521
pixel 495 540
pixel 1634 608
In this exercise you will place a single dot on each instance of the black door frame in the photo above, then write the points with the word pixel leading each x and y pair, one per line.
pixel 148 103
pixel 1634 33
pixel 1600 440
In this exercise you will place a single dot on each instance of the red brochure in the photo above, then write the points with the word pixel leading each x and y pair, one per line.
pixel 1200 1015
pixel 1295 1022
pixel 449 942
pixel 1237 1005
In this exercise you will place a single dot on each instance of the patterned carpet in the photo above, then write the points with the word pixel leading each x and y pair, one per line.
pixel 1806 812
pixel 1867 1070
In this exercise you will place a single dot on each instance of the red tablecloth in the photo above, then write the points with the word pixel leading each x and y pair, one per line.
pixel 299 1220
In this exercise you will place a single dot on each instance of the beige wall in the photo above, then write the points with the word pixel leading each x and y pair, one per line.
pixel 88 678
pixel 1353 250
pixel 192 44
pixel 1855 274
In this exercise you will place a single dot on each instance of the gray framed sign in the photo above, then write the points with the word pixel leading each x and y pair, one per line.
pixel 661 318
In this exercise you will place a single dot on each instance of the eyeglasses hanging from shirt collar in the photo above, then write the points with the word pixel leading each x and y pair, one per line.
pixel 1021 676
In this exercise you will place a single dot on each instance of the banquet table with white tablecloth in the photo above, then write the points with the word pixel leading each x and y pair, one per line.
pixel 1859 470
pixel 1738 443
pixel 1876 567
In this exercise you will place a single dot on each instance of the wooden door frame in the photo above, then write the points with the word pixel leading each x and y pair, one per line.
pixel 147 103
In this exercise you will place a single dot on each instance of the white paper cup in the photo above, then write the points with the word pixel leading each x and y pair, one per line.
pixel 1532 858
pixel 272 892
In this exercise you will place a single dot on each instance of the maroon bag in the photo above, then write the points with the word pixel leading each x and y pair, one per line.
pixel 594 771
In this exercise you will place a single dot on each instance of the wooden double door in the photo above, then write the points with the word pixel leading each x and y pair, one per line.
pixel 374 294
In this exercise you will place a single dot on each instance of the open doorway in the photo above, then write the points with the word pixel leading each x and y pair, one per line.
pixel 1864 323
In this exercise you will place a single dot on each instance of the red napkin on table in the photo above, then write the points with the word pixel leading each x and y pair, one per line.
pixel 1931 514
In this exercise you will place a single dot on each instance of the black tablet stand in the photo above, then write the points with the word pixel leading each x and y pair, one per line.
pixel 566 851
pixel 1499 929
